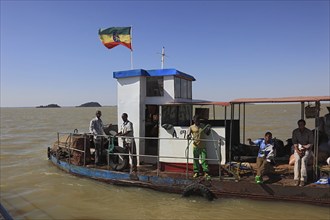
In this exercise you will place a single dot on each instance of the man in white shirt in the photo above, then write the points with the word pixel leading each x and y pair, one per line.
pixel 96 128
pixel 126 130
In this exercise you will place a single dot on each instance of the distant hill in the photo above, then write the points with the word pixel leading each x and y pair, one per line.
pixel 90 104
pixel 49 106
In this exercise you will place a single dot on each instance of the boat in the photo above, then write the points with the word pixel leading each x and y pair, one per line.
pixel 159 103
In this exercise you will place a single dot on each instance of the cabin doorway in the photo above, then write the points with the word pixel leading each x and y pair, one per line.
pixel 152 131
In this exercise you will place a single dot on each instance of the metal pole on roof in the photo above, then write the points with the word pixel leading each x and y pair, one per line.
pixel 163 58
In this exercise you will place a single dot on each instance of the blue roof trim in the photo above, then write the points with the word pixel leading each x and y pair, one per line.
pixel 129 73
pixel 156 72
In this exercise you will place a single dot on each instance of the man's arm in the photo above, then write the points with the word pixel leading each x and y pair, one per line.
pixel 250 141
pixel 189 133
pixel 310 141
pixel 295 142
pixel 91 127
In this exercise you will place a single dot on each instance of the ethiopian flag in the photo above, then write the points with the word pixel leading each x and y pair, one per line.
pixel 114 36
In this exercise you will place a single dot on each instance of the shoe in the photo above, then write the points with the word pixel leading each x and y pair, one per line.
pixel 302 183
pixel 259 179
pixel 207 176
pixel 195 175
pixel 296 182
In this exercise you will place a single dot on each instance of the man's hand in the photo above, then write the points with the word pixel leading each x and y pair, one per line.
pixel 301 152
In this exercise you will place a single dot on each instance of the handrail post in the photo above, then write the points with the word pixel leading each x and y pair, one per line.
pixel 219 151
pixel 158 158
pixel 187 162
pixel 111 148
pixel 316 141
pixel 70 141
pixel 85 150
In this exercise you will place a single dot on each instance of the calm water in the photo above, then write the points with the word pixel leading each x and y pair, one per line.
pixel 32 188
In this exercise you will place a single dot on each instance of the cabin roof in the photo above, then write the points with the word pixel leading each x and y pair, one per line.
pixel 283 99
pixel 198 102
pixel 155 72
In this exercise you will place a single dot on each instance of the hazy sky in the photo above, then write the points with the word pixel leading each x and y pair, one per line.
pixel 51 53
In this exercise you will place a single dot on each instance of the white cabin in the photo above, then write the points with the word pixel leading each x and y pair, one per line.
pixel 165 95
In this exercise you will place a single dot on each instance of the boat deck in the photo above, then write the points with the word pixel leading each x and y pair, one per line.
pixel 282 174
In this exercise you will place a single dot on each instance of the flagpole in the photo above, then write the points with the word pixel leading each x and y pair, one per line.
pixel 131 47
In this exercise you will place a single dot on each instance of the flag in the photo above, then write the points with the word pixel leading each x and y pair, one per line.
pixel 114 36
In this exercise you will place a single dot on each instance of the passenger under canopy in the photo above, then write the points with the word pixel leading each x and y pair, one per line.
pixel 298 99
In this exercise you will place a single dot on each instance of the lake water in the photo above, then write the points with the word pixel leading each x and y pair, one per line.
pixel 32 188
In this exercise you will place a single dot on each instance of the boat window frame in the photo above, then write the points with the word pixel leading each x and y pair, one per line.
pixel 182 88
pixel 176 115
pixel 155 86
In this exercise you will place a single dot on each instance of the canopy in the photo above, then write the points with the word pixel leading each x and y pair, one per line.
pixel 283 99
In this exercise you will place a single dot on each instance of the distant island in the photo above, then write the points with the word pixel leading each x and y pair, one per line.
pixel 49 106
pixel 90 104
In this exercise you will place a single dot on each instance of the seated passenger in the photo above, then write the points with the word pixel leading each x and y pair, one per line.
pixel 265 155
pixel 302 139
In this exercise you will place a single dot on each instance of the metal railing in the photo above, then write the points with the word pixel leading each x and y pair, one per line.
pixel 67 145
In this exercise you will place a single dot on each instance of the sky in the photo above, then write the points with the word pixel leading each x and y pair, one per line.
pixel 51 52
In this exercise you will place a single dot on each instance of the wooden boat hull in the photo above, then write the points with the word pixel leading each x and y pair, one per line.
pixel 244 188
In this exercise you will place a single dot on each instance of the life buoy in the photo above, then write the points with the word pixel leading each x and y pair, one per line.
pixel 198 189
pixel 118 162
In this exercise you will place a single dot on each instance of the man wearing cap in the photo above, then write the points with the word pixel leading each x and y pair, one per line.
pixel 96 128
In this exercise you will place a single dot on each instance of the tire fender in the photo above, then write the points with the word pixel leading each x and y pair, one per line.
pixel 198 189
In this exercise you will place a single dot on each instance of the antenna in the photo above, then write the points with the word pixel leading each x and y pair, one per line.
pixel 163 57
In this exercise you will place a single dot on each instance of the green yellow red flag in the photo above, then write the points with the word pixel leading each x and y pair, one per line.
pixel 114 36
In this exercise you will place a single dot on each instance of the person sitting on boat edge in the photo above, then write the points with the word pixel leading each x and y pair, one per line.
pixel 302 139
pixel 97 129
pixel 199 151
pixel 265 155
pixel 128 141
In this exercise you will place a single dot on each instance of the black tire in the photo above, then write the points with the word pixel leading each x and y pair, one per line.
pixel 48 152
pixel 119 162
pixel 198 189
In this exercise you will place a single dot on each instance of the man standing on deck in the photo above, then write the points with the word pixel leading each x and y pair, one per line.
pixel 199 150
pixel 96 128
pixel 129 143
pixel 265 155
pixel 302 139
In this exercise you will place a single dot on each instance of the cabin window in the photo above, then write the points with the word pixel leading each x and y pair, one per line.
pixel 203 113
pixel 183 88
pixel 178 115
pixel 155 86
